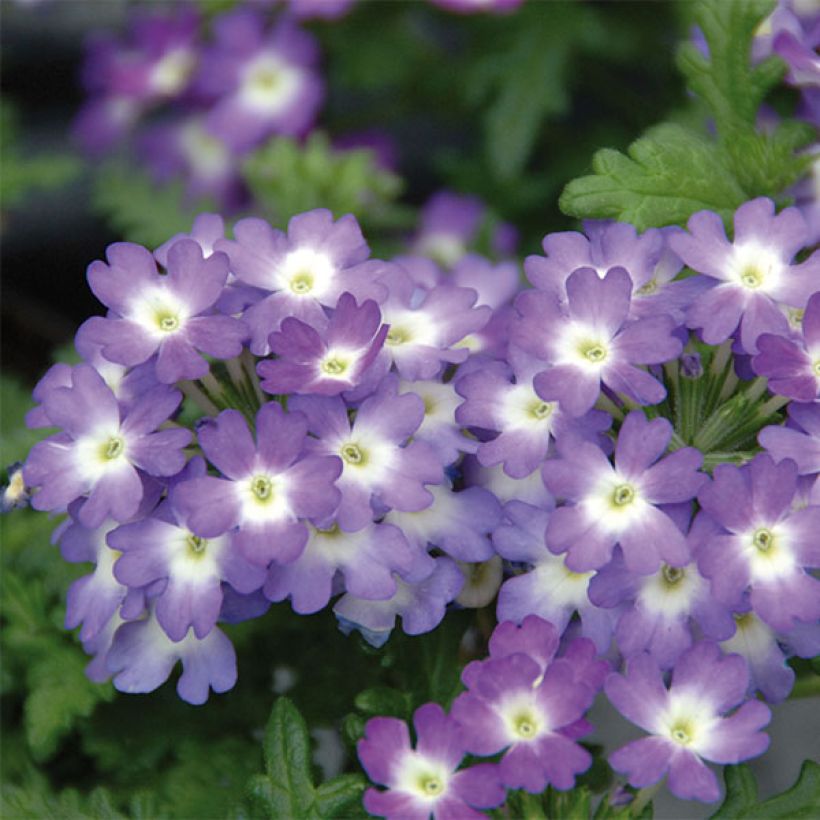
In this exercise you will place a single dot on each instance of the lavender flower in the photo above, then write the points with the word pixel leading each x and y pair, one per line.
pixel 798 440
pixel 327 362
pixel 755 278
pixel 166 315
pixel 620 504
pixel 268 488
pixel 793 368
pixel 687 722
pixel 424 781
pixel 101 449
pixel 593 344
pixel 302 272
pixel 764 545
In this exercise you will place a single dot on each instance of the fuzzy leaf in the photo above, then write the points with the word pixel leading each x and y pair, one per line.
pixel 287 178
pixel 336 797
pixel 802 800
pixel 383 700
pixel 287 790
pixel 669 174
pixel 140 210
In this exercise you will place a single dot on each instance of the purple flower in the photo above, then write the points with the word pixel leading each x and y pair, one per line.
pixel 449 223
pixel 620 504
pixel 495 285
pixel 365 560
pixel 687 722
pixel 205 231
pixel 319 9
pixel 142 657
pixel 262 82
pixel 101 448
pixel 329 361
pixel 162 314
pixel 424 780
pixel 765 546
pixel 798 440
pixel 655 610
pixel 376 467
pixel 303 271
pixel 473 6
pixel 755 277
pixel 594 343
pixel 163 548
pixel 792 368
pixel 800 53
pixel 457 523
pixel 547 588
pixel 428 328
pixel 268 488
pixel 527 709
pixel 420 604
pixel 530 490
pixel 525 423
pixel 606 245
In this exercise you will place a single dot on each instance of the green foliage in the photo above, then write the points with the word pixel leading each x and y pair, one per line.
pixel 672 172
pixel 140 210
pixel 802 800
pixel 287 178
pixel 21 174
pixel 287 790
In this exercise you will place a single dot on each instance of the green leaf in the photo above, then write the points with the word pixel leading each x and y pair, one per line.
pixel 668 174
pixel 288 178
pixel 383 700
pixel 336 797
pixel 569 805
pixel 60 694
pixel 287 790
pixel 802 800
pixel 140 210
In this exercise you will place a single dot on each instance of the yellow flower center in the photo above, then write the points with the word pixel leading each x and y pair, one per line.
pixel 196 545
pixel 672 575
pixel 262 488
pixel 763 539
pixel 113 448
pixel 593 352
pixel 622 495
pixel 353 454
pixel 301 283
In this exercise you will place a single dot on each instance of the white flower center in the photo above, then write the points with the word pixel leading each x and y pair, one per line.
pixel 172 72
pixel 306 273
pixel 269 84
pixel 755 267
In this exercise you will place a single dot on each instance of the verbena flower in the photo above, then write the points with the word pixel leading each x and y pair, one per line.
pixel 593 343
pixel 691 721
pixel 268 488
pixel 101 449
pixel 755 281
pixel 620 503
pixel 167 315
pixel 764 546
pixel 426 780
pixel 798 439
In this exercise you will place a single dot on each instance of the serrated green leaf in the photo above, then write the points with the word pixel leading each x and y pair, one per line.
pixel 335 798
pixel 59 695
pixel 802 800
pixel 669 174
pixel 288 178
pixel 287 790
pixel 140 210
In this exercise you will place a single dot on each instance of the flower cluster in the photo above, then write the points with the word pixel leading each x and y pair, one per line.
pixel 399 437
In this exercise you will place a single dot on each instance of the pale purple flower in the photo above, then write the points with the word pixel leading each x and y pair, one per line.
pixel 429 328
pixel 168 315
pixel 791 365
pixel 319 9
pixel 142 657
pixel 495 284
pixel 593 344
pixel 765 545
pixel 421 605
pixel 426 780
pixel 798 440
pixel 365 560
pixel 162 547
pixel 532 709
pixel 262 81
pixel 101 449
pixel 687 722
pixel 376 465
pixel 605 245
pixel 546 587
pixel 301 272
pixel 457 523
pixel 755 281
pixel 481 6
pixel 325 361
pixel 449 223
pixel 530 489
pixel 800 54
pixel 482 580
pixel 619 504
pixel 269 487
